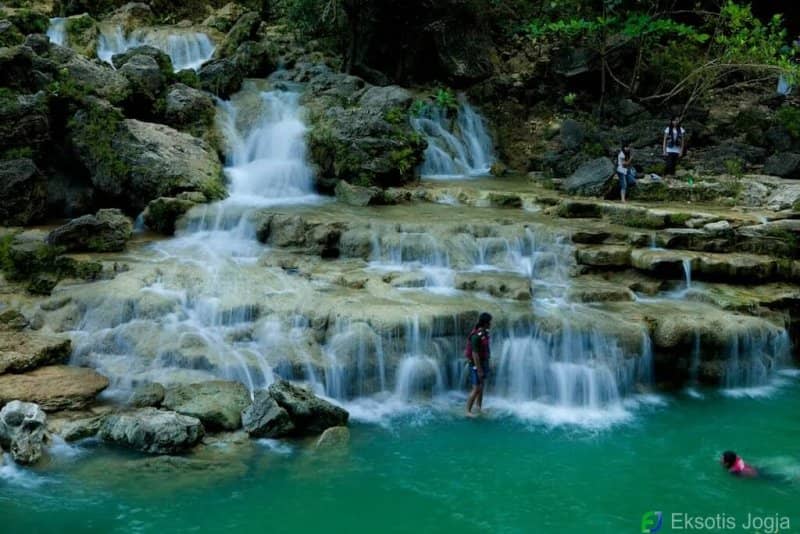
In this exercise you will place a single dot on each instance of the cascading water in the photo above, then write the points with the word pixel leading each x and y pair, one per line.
pixel 187 50
pixel 198 316
pixel 266 162
pixel 57 31
pixel 457 146
pixel 753 357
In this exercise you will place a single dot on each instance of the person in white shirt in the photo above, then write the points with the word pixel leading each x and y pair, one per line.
pixel 674 145
pixel 625 170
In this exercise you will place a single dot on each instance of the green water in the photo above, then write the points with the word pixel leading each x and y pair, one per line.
pixel 433 471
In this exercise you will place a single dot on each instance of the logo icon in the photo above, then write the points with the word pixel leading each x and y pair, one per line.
pixel 651 522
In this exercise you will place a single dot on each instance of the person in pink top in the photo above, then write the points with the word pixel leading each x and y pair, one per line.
pixel 736 466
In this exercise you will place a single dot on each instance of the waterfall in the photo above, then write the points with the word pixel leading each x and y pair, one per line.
pixel 458 146
pixel 57 31
pixel 687 272
pixel 266 163
pixel 753 356
pixel 115 42
pixel 201 318
pixel 186 50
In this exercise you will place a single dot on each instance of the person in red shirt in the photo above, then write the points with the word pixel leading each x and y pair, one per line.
pixel 477 353
pixel 736 466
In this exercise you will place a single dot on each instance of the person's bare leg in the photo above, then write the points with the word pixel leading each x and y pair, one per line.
pixel 471 400
pixel 480 399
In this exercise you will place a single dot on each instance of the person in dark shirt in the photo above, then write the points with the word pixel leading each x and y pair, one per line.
pixel 477 353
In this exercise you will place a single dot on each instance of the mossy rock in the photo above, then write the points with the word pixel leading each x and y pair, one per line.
pixel 29 21
pixel 82 34
pixel 136 162
pixel 9 34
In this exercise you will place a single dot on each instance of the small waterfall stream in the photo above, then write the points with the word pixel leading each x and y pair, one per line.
pixel 57 31
pixel 187 50
pixel 458 146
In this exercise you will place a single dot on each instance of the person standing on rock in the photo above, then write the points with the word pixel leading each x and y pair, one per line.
pixel 674 145
pixel 625 170
pixel 477 353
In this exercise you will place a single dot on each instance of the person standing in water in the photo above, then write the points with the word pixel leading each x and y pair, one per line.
pixel 477 353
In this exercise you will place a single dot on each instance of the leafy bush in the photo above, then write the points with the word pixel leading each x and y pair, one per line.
pixel 445 99
pixel 735 168
pixel 789 118
pixel 29 21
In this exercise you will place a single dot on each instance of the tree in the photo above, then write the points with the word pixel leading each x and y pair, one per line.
pixel 732 46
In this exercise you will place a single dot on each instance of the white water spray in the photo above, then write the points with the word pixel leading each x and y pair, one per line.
pixel 187 50
pixel 457 147
pixel 57 31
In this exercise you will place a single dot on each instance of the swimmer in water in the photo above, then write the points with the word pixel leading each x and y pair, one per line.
pixel 736 466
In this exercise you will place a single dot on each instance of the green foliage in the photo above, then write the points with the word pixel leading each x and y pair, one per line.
pixel 445 99
pixel 789 118
pixel 396 116
pixel 17 153
pixel 29 21
pixel 79 25
pixel 679 219
pixel 417 108
pixel 5 257
pixel 96 126
pixel 404 160
pixel 594 150
pixel 187 77
pixel 314 17
pixel 11 36
pixel 735 168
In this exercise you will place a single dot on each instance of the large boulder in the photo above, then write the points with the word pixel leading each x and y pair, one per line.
pixel 53 388
pixel 96 78
pixel 572 134
pixel 222 77
pixel 218 404
pixel 785 165
pixel 130 16
pixel 593 178
pixel 159 56
pixel 24 351
pixel 186 106
pixel 362 138
pixel 309 413
pixel 225 17
pixel 264 418
pixel 136 161
pixel 24 120
pixel 16 66
pixel 9 35
pixel 22 431
pixel 245 29
pixel 161 214
pixel 147 395
pixel 82 33
pixel 333 439
pixel 153 431
pixel 108 230
pixel 23 189
pixel 145 77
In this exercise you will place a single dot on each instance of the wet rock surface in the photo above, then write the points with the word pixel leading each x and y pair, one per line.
pixel 54 387
pixel 22 431
pixel 153 431
pixel 309 413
